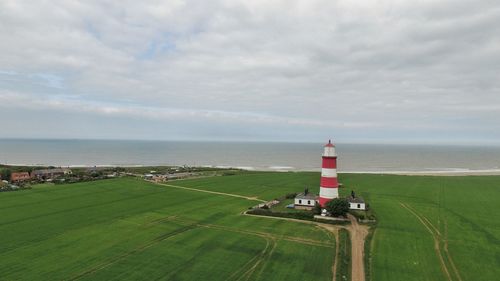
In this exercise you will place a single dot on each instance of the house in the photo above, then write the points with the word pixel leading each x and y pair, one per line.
pixel 50 173
pixel 20 176
pixel 356 203
pixel 305 200
pixel 177 176
pixel 155 178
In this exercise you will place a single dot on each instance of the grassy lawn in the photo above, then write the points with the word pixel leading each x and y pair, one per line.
pixel 344 259
pixel 127 229
pixel 281 207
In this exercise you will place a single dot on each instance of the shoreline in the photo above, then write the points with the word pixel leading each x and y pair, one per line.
pixel 452 172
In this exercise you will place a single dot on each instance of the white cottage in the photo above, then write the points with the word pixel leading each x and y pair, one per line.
pixel 305 200
pixel 356 203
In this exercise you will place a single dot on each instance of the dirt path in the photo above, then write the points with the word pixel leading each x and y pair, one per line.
pixel 214 192
pixel 358 235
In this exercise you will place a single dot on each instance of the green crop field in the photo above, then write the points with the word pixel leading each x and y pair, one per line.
pixel 416 212
pixel 127 229
pixel 429 228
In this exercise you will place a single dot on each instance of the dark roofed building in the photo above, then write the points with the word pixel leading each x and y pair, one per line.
pixel 356 203
pixel 305 200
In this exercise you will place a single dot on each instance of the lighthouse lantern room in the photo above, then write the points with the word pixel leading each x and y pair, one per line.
pixel 329 183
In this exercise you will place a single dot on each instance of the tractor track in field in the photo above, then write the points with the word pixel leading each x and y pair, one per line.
pixel 250 264
pixel 132 252
pixel 249 232
pixel 214 192
pixel 438 239
pixel 335 233
pixel 357 232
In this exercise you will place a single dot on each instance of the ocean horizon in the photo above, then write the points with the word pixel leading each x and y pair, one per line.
pixel 272 156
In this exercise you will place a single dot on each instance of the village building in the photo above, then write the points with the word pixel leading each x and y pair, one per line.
pixel 46 174
pixel 305 200
pixel 20 176
pixel 356 203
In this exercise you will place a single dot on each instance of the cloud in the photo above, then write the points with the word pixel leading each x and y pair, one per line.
pixel 361 69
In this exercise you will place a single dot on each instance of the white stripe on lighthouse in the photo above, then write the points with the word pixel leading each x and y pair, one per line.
pixel 329 193
pixel 329 173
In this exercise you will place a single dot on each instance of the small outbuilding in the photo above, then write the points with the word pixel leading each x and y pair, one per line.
pixel 305 200
pixel 356 203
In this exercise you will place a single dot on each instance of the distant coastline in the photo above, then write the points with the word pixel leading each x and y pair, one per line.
pixel 353 158
pixel 449 172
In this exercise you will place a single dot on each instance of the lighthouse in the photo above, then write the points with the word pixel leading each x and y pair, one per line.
pixel 329 186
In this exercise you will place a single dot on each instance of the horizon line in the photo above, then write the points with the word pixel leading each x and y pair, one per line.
pixel 363 142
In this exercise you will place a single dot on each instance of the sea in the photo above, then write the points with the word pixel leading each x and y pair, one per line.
pixel 272 156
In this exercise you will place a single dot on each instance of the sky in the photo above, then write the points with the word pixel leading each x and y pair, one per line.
pixel 299 71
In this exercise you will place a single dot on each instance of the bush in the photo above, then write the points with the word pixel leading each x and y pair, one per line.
pixel 291 195
pixel 317 209
pixel 295 215
pixel 338 207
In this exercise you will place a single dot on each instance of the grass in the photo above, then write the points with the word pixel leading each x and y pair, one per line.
pixel 367 258
pixel 127 229
pixel 344 257
pixel 461 209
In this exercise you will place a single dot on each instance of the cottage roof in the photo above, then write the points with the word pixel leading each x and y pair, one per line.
pixel 309 196
pixel 351 199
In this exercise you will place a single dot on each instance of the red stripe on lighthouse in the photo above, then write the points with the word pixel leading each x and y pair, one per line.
pixel 329 182
pixel 323 201
pixel 330 162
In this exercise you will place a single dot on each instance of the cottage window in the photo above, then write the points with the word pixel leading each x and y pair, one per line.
pixel 300 201
pixel 308 202
pixel 359 206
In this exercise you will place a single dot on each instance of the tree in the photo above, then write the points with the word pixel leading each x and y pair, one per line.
pixel 5 174
pixel 337 207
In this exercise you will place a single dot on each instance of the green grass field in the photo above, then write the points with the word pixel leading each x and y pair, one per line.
pixel 459 212
pixel 127 229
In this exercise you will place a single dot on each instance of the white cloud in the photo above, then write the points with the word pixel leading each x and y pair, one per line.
pixel 364 69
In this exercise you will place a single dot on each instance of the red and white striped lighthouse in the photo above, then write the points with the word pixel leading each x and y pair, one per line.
pixel 329 187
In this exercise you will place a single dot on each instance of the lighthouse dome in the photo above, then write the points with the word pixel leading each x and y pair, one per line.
pixel 329 150
pixel 329 144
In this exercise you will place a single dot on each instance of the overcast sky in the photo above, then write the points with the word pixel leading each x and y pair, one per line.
pixel 354 70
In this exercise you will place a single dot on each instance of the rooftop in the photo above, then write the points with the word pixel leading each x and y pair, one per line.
pixel 309 195
pixel 351 199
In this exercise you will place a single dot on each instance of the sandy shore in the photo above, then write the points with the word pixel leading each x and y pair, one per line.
pixel 458 172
